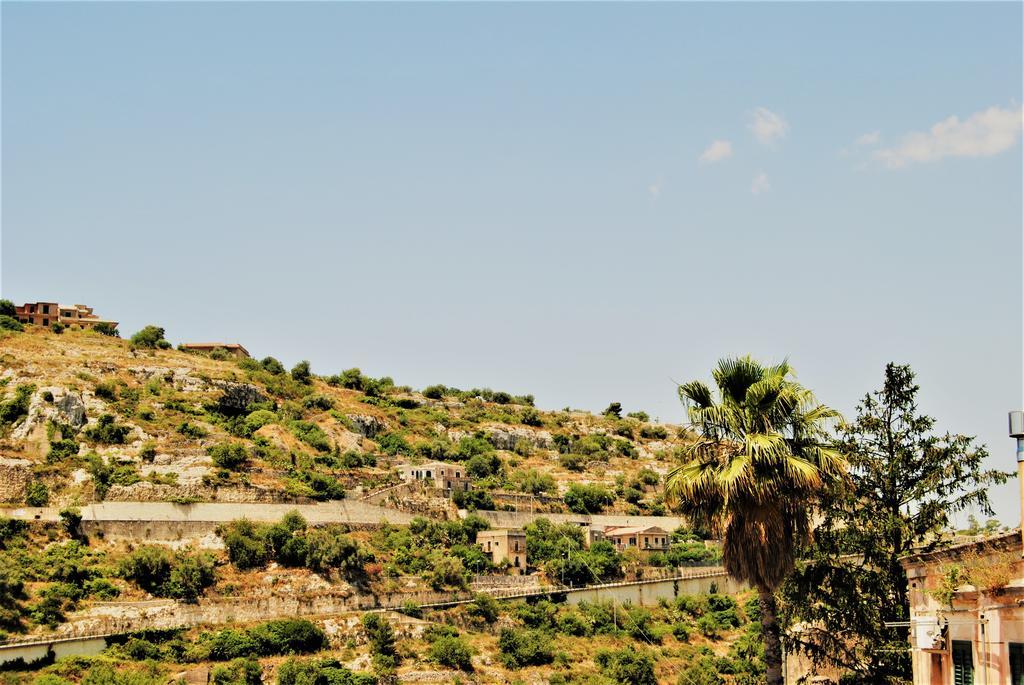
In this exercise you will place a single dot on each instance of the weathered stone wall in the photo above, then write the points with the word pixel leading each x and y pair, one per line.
pixel 518 519
pixel 14 477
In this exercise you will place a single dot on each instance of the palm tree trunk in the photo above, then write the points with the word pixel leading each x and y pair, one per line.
pixel 772 643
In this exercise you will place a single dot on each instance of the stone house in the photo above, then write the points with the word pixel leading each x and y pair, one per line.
pixel 48 313
pixel 504 545
pixel 645 538
pixel 967 613
pixel 437 474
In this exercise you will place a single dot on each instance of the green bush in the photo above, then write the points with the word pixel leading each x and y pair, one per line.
pixel 301 373
pixel 7 308
pixel 639 416
pixel 272 366
pixel 273 638
pixel 107 431
pixel 326 672
pixel 180 575
pixel 483 607
pixel 451 652
pixel 318 402
pixel 258 419
pixel 61 449
pixel 681 631
pixel 483 465
pixel 392 443
pixel 13 409
pixel 311 434
pixel 229 455
pixel 380 636
pixel 531 417
pixel 653 432
pixel 473 500
pixel 246 544
pixel 587 499
pixel 627 667
pixel 246 671
pixel 523 647
pixel 9 323
pixel 191 430
pixel 150 337
pixel 106 390
pixel 37 494
pixel 107 329
pixel 434 392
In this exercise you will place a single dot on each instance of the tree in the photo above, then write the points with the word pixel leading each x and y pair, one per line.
pixel 150 337
pixel 108 329
pixel 614 410
pixel 904 483
pixel 301 372
pixel 7 308
pixel 754 473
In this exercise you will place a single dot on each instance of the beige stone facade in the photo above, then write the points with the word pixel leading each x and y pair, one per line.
pixel 644 538
pixel 447 477
pixel 504 545
pixel 49 313
pixel 967 613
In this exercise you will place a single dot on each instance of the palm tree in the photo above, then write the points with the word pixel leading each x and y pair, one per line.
pixel 753 474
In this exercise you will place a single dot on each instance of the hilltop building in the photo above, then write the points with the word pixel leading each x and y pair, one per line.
pixel 648 539
pixel 48 313
pixel 437 474
pixel 234 349
pixel 973 633
pixel 504 545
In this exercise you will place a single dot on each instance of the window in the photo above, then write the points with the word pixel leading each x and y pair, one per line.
pixel 428 474
pixel 1017 663
pixel 46 309
pixel 963 663
pixel 31 309
pixel 46 322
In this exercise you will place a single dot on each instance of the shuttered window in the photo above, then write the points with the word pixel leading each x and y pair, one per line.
pixel 963 663
pixel 1016 663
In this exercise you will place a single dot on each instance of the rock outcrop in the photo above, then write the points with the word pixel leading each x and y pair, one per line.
pixel 14 477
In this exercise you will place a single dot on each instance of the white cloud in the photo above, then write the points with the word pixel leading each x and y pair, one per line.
pixel 717 151
pixel 767 126
pixel 982 134
pixel 760 184
pixel 870 138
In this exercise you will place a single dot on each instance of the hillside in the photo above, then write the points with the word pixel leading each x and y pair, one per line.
pixel 153 494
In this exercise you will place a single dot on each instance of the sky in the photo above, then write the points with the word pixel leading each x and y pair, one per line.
pixel 586 202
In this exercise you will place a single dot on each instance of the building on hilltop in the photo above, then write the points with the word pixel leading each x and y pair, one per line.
pixel 48 313
pixel 503 545
pixel 447 477
pixel 645 538
pixel 967 612
pixel 234 349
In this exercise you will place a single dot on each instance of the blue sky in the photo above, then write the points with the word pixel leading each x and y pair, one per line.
pixel 586 202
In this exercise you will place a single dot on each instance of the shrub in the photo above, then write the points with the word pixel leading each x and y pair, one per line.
pixel 534 482
pixel 301 373
pixel 107 329
pixel 587 499
pixel 191 430
pixel 709 626
pixel 327 672
pixel 37 494
pixel 239 672
pixel 483 607
pixel 229 455
pixel 572 462
pixel 613 410
pixel 627 667
pixel 106 390
pixel 452 652
pixel 531 417
pixel 318 402
pixel 639 416
pixel 258 419
pixel 272 366
pixel 380 635
pixel 13 409
pixel 653 432
pixel 246 544
pixel 523 647
pixel 178 575
pixel 311 434
pixel 392 443
pixel 61 450
pixel 434 392
pixel 330 550
pixel 483 465
pixel 150 337
pixel 701 671
pixel 9 323
pixel 107 431
pixel 7 308
pixel 681 632
pixel 473 499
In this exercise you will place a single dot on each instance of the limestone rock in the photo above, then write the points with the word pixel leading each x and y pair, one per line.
pixel 66 408
pixel 14 477
pixel 237 398
pixel 367 425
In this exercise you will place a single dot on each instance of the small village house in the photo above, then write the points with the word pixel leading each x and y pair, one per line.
pixel 644 538
pixel 233 349
pixel 967 613
pixel 49 313
pixel 504 545
pixel 592 534
pixel 437 474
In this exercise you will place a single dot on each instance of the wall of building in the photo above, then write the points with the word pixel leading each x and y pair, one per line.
pixel 518 519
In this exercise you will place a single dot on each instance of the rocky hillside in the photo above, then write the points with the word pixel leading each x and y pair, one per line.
pixel 87 417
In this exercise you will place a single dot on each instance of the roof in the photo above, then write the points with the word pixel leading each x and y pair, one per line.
pixel 501 531
pixel 1003 541
pixel 635 530
pixel 428 465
